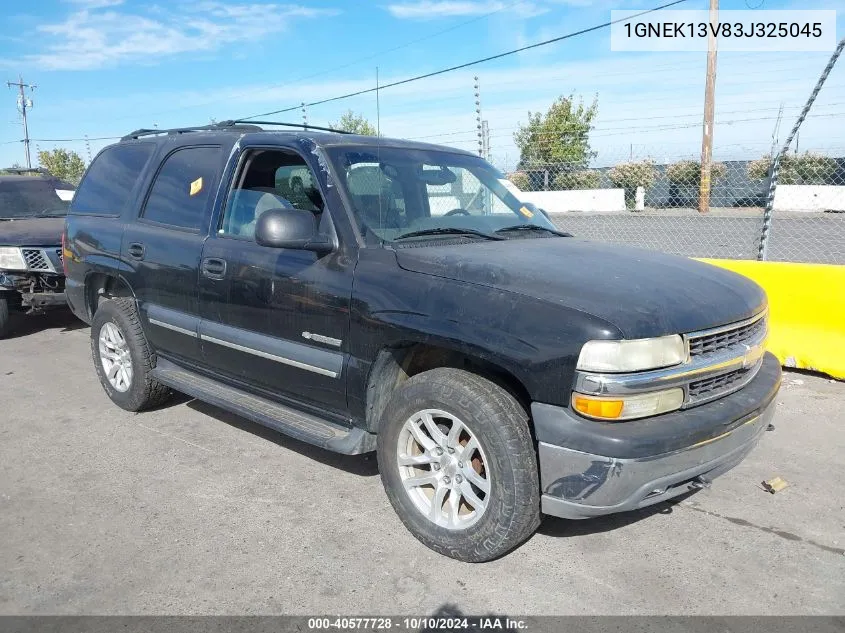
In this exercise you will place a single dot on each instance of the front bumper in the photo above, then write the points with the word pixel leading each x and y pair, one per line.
pixel 43 300
pixel 590 468
pixel 33 291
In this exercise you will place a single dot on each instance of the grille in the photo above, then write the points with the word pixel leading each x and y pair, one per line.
pixel 720 385
pixel 36 260
pixel 726 339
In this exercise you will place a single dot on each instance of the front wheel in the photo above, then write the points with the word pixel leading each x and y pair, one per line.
pixel 459 466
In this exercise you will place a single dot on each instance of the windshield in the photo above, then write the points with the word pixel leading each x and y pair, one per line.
pixel 401 194
pixel 29 196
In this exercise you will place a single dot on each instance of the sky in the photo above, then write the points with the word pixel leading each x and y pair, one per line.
pixel 106 67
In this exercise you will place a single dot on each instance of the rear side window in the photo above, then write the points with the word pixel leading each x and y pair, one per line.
pixel 180 194
pixel 110 179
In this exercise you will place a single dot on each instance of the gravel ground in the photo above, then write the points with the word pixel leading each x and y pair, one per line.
pixel 190 510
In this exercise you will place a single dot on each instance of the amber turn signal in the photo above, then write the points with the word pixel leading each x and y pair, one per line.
pixel 641 405
pixel 595 408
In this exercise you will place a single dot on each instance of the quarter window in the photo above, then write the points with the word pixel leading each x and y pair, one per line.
pixel 180 194
pixel 110 179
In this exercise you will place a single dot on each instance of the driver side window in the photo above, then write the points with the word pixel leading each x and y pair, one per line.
pixel 270 179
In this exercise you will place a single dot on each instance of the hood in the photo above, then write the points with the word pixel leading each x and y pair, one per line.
pixel 32 232
pixel 643 293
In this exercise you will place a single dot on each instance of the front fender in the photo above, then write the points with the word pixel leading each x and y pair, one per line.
pixel 532 339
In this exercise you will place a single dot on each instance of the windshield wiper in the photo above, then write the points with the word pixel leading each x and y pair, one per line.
pixel 444 230
pixel 532 227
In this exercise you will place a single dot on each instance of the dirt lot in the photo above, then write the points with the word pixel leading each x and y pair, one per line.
pixel 188 509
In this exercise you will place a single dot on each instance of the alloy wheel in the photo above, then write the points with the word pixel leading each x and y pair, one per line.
pixel 443 469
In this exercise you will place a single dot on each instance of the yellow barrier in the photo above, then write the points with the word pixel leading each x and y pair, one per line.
pixel 806 311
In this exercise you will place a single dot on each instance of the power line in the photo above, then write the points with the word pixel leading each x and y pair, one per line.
pixel 641 128
pixel 344 66
pixel 511 129
pixel 472 63
pixel 71 140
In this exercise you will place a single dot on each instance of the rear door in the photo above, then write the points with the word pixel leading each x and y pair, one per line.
pixel 164 244
pixel 94 224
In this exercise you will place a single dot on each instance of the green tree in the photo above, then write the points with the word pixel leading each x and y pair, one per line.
pixel 63 164
pixel 355 124
pixel 560 136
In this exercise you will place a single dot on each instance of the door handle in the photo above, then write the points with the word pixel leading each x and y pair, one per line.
pixel 214 267
pixel 136 251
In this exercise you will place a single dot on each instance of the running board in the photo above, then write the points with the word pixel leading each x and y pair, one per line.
pixel 299 425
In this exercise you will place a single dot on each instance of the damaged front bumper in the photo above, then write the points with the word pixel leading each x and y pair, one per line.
pixel 33 292
pixel 590 468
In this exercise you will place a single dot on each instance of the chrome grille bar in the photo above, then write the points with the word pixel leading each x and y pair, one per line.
pixel 725 360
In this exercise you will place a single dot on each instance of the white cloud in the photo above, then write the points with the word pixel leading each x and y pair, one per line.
pixel 430 9
pixel 96 36
pixel 650 105
pixel 434 9
pixel 94 4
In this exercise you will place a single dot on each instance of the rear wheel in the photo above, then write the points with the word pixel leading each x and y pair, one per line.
pixel 123 358
pixel 458 463
pixel 4 315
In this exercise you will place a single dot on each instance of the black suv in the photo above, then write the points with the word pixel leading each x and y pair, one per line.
pixel 33 205
pixel 364 294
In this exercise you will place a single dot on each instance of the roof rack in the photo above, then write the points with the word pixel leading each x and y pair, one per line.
pixel 223 125
pixel 23 170
pixel 237 124
pixel 304 126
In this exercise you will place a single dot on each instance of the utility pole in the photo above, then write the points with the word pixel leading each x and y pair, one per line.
pixel 485 140
pixel 709 113
pixel 23 105
pixel 304 115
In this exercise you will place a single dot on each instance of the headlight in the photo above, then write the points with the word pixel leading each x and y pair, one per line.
pixel 11 258
pixel 633 355
pixel 628 407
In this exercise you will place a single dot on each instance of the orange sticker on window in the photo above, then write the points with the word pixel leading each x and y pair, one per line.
pixel 526 212
pixel 196 186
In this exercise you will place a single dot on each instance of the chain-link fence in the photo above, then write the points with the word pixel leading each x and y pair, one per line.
pixel 642 203
pixel 782 204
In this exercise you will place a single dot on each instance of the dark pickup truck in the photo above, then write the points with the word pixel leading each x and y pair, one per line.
pixel 33 205
pixel 365 294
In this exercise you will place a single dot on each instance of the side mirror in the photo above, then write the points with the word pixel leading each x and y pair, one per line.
pixel 290 228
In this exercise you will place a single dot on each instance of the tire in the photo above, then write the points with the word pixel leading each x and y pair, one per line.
pixel 136 389
pixel 4 315
pixel 510 510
